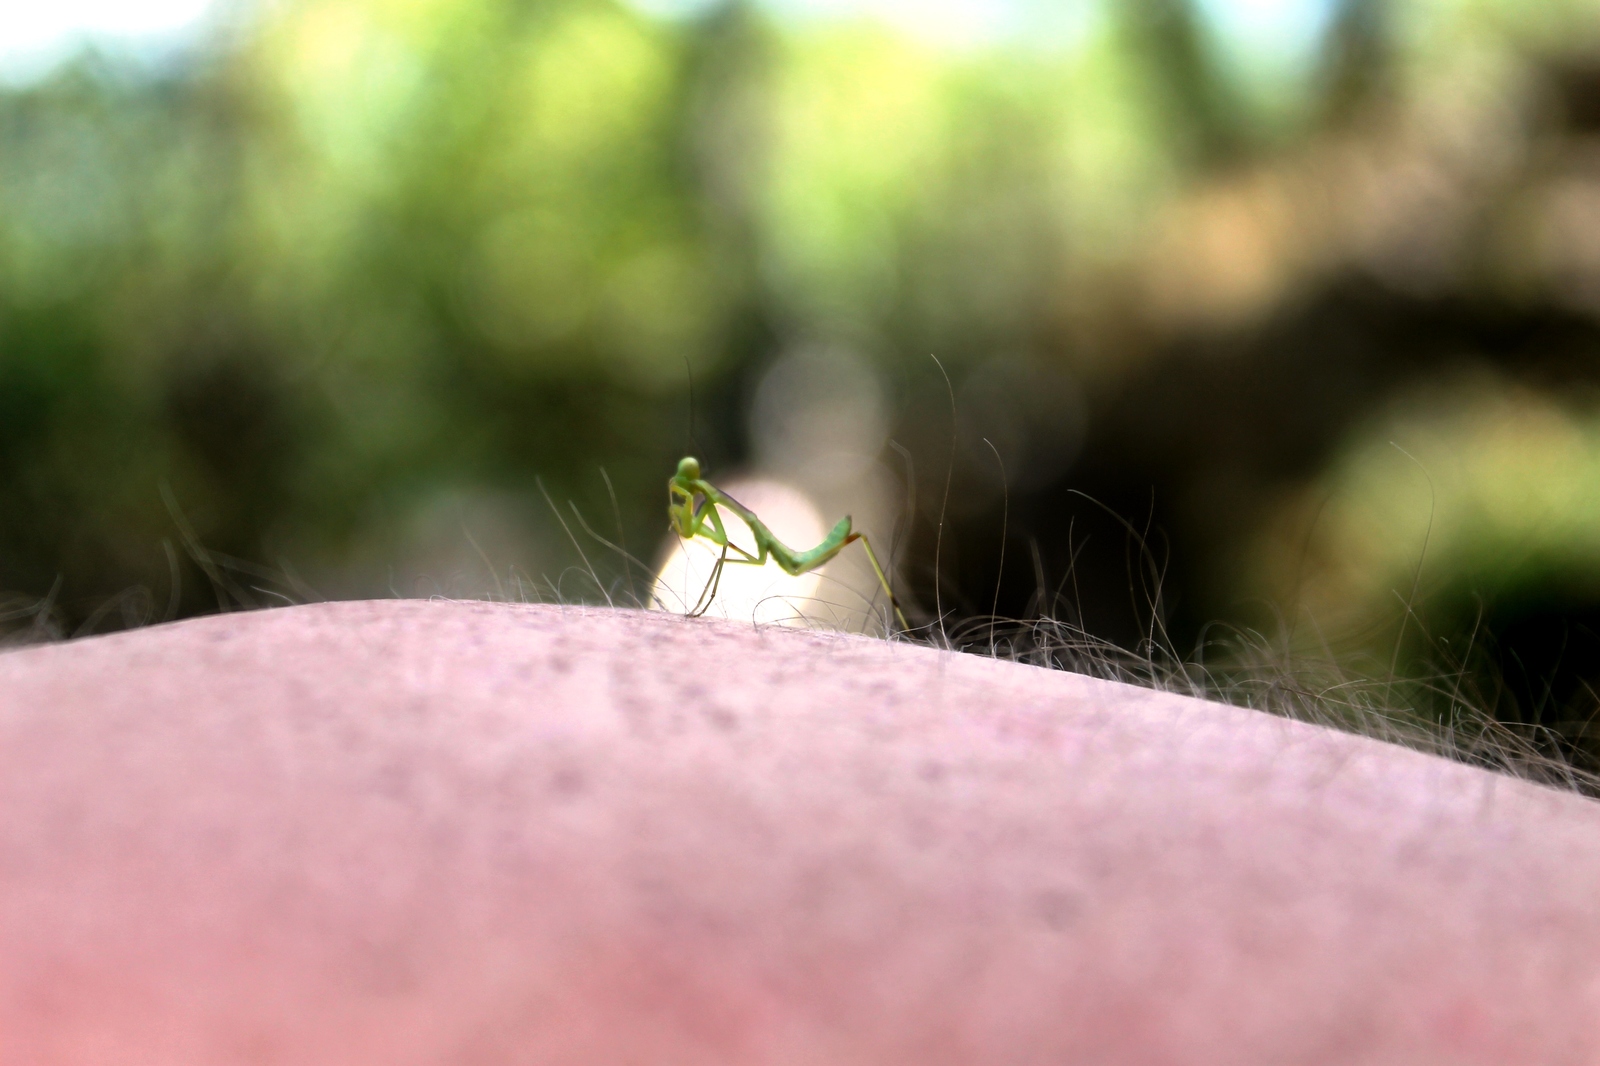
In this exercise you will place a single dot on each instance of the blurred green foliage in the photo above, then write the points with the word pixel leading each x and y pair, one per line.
pixel 318 308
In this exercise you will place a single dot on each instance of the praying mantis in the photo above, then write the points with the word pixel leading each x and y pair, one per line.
pixel 691 519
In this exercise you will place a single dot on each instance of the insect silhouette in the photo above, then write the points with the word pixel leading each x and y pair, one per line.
pixel 693 505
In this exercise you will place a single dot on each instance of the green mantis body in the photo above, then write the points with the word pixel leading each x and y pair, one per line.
pixel 692 520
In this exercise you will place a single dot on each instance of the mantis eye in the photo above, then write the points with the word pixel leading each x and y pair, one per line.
pixel 689 468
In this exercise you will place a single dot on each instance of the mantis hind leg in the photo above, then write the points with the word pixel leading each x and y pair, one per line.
pixel 768 545
pixel 883 579
pixel 795 565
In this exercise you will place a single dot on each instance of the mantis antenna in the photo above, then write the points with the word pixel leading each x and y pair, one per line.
pixel 693 504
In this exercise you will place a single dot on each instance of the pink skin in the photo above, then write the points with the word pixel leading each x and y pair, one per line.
pixel 409 832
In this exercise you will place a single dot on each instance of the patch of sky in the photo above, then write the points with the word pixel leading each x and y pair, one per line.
pixel 1274 39
pixel 1271 39
pixel 36 37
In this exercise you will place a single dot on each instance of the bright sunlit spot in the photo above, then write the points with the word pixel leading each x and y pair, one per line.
pixel 744 593
pixel 36 36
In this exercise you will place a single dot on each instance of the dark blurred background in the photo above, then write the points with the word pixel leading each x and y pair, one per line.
pixel 1279 314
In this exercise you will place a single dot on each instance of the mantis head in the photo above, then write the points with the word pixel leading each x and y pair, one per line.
pixel 681 492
